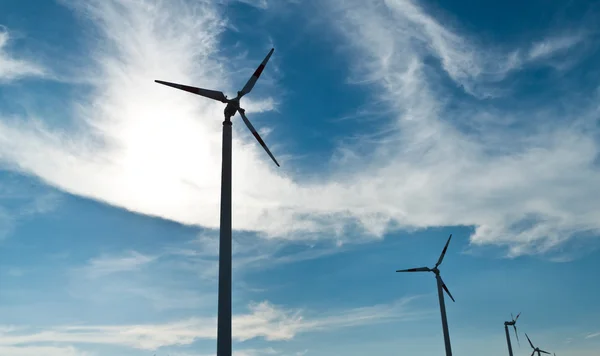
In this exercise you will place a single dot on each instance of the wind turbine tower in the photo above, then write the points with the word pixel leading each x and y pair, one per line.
pixel 441 286
pixel 233 107
pixel 512 323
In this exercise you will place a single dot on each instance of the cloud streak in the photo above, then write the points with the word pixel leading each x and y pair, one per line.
pixel 264 320
pixel 593 335
pixel 41 350
pixel 22 201
pixel 106 265
pixel 555 45
pixel 13 68
pixel 519 188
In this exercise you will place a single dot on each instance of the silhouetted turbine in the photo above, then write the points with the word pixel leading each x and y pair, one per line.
pixel 513 322
pixel 233 107
pixel 536 349
pixel 441 286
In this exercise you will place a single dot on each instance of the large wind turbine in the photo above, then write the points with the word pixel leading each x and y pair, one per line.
pixel 233 107
pixel 512 323
pixel 440 285
pixel 536 349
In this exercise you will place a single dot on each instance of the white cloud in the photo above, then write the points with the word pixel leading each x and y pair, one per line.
pixel 12 68
pixel 578 352
pixel 156 283
pixel 41 350
pixel 245 352
pixel 155 150
pixel 551 46
pixel 182 277
pixel 261 4
pixel 256 352
pixel 135 140
pixel 7 223
pixel 20 201
pixel 8 328
pixel 105 265
pixel 411 32
pixel 530 189
pixel 593 335
pixel 15 272
pixel 264 320
pixel 250 253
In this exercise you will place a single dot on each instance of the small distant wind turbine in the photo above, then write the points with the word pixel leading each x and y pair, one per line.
pixel 536 349
pixel 233 107
pixel 440 285
pixel 513 322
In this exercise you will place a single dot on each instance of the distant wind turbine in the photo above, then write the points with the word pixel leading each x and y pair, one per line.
pixel 512 323
pixel 233 107
pixel 440 285
pixel 536 349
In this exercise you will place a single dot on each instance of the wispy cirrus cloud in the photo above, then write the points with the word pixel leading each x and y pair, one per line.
pixel 106 265
pixel 592 335
pixel 470 166
pixel 162 280
pixel 11 66
pixel 475 66
pixel 32 350
pixel 15 272
pixel 159 282
pixel 20 201
pixel 554 45
pixel 261 4
pixel 251 253
pixel 258 352
pixel 244 352
pixel 264 320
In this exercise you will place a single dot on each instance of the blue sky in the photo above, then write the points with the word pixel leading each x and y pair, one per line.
pixel 396 123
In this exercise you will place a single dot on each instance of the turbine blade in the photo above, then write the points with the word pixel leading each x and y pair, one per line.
pixel 211 94
pixel 517 335
pixel 517 318
pixel 529 341
pixel 250 84
pixel 420 269
pixel 544 352
pixel 446 289
pixel 256 135
pixel 439 262
pixel 533 353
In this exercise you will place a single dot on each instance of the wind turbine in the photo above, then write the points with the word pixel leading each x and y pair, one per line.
pixel 513 322
pixel 536 349
pixel 233 107
pixel 440 285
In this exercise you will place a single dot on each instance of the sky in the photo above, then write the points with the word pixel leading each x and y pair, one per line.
pixel 396 123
